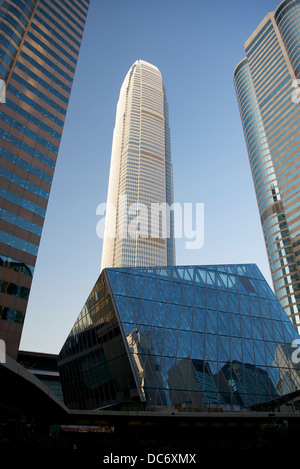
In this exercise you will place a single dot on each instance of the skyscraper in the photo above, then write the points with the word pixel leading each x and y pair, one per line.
pixel 139 225
pixel 39 47
pixel 265 82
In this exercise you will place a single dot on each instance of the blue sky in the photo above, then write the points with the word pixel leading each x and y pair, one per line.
pixel 196 45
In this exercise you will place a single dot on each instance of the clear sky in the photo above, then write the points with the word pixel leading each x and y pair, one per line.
pixel 196 44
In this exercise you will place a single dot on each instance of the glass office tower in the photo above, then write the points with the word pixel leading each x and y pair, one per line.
pixel 195 337
pixel 270 113
pixel 140 222
pixel 39 47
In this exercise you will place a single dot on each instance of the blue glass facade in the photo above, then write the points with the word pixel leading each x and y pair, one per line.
pixel 270 117
pixel 196 336
pixel 39 46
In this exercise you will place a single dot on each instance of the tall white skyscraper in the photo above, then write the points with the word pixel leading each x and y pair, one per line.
pixel 139 228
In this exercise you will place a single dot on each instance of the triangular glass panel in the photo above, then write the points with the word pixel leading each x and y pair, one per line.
pixel 244 305
pixel 232 269
pixel 162 307
pixel 180 272
pixel 128 315
pixel 211 347
pixel 201 277
pixel 200 295
pixel 257 328
pixel 254 284
pixel 169 337
pixel 255 307
pixel 211 278
pixel 135 307
pixel 171 273
pixel 168 363
pixel 250 384
pixel 222 301
pixel 265 308
pixel 246 327
pixel 163 291
pixel 260 290
pixel 198 320
pixel 211 299
pixel 268 329
pixel 190 291
pixel 175 293
pixel 236 349
pixel 189 316
pixel 197 346
pixel 133 289
pixel 278 331
pixel 113 279
pixel 232 283
pixel 175 376
pixel 184 324
pixel 148 293
pixel 222 281
pixel 191 272
pixel 157 340
pixel 144 316
pixel 260 358
pixel 176 314
pixel 127 328
pixel 170 320
pixel 211 322
pixel 154 284
pixel 221 268
pixel 181 351
pixel 241 270
pixel 252 271
pixel 187 277
pixel 126 280
pixel 156 319
pixel 223 326
pixel 223 349
pixel 289 333
pixel 163 273
pixel 187 339
pixel 268 293
pixel 248 352
pixel 139 281
pixel 185 300
pixel 270 349
pixel 120 303
pixel 235 325
pixel 233 303
pixel 275 305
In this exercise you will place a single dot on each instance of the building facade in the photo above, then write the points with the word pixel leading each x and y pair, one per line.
pixel 139 223
pixel 39 46
pixel 266 83
pixel 180 337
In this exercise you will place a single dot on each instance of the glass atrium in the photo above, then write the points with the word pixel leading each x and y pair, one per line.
pixel 190 337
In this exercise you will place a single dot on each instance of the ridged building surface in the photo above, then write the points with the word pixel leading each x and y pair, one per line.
pixel 265 83
pixel 140 178
pixel 39 46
